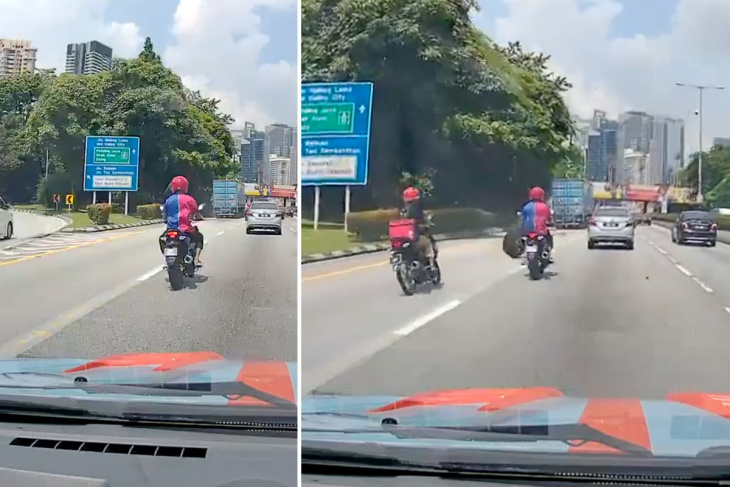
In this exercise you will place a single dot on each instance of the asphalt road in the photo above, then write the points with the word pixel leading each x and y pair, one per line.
pixel 110 296
pixel 28 225
pixel 605 322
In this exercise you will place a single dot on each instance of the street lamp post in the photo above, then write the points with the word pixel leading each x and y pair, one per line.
pixel 701 89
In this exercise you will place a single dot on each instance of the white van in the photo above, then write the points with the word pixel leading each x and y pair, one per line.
pixel 6 220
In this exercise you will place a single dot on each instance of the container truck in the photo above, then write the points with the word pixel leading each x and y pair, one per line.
pixel 571 202
pixel 229 198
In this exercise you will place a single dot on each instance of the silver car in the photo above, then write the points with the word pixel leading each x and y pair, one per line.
pixel 264 215
pixel 611 224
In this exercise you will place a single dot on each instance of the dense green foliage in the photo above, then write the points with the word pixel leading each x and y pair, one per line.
pixel 44 114
pixel 476 122
pixel 715 175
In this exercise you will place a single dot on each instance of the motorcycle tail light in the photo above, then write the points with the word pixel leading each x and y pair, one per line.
pixel 397 244
pixel 532 235
pixel 173 233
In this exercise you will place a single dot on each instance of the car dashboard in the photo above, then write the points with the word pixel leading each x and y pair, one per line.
pixel 110 455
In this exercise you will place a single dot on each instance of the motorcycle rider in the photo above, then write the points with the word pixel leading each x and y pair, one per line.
pixel 178 212
pixel 413 208
pixel 536 216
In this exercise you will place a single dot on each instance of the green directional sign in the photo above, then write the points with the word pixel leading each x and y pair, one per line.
pixel 111 155
pixel 337 118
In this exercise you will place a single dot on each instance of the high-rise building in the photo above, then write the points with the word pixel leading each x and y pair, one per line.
pixel 721 141
pixel 16 56
pixel 294 159
pixel 255 157
pixel 279 170
pixel 88 58
pixel 281 139
pixel 601 154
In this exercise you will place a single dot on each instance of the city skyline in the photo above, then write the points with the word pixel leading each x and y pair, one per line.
pixel 243 54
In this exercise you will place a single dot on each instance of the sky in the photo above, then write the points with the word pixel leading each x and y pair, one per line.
pixel 629 54
pixel 243 52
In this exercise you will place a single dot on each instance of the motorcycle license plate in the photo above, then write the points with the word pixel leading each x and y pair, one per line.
pixel 531 248
pixel 172 252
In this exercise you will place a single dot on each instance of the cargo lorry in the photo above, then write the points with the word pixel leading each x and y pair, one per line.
pixel 571 202
pixel 229 198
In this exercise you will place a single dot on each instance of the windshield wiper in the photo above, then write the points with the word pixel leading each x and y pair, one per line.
pixel 571 434
pixel 230 390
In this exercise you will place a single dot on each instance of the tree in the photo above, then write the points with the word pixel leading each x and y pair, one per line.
pixel 486 122
pixel 715 175
pixel 181 132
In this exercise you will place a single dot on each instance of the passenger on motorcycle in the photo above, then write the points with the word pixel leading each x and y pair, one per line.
pixel 536 217
pixel 413 208
pixel 178 212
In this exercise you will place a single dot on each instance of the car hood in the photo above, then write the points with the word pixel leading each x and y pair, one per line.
pixel 680 424
pixel 54 377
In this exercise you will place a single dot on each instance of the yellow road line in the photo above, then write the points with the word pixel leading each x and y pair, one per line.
pixel 71 247
pixel 349 270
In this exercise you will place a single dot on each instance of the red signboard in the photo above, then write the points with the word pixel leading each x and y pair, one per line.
pixel 283 191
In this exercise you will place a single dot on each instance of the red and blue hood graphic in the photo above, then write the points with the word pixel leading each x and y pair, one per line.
pixel 682 424
pixel 53 377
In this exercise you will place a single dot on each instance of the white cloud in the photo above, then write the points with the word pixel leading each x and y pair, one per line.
pixel 640 72
pixel 217 48
pixel 52 24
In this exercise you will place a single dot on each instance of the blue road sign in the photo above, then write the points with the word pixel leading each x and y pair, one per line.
pixel 111 163
pixel 336 121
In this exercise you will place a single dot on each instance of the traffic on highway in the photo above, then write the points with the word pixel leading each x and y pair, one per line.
pixel 241 302
pixel 148 325
pixel 516 266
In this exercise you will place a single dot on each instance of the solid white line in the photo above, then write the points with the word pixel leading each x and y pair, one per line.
pixel 683 270
pixel 149 274
pixel 294 230
pixel 221 232
pixel 703 285
pixel 424 320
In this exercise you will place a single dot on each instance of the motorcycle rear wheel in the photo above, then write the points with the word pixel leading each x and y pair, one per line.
pixel 406 280
pixel 535 268
pixel 175 275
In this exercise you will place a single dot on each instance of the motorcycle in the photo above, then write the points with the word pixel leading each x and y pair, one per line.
pixel 537 255
pixel 179 253
pixel 411 266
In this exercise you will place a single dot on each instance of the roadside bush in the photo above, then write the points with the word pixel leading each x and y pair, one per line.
pixel 99 213
pixel 60 183
pixel 371 226
pixel 149 212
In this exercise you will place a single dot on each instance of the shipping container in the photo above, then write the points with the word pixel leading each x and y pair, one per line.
pixel 571 202
pixel 229 198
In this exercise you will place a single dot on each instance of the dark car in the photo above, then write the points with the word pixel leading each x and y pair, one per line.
pixel 695 226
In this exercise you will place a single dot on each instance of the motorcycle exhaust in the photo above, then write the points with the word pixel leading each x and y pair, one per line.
pixel 414 265
pixel 545 255
pixel 188 259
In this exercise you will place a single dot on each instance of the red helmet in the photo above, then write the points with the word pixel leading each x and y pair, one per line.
pixel 179 183
pixel 537 193
pixel 411 194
